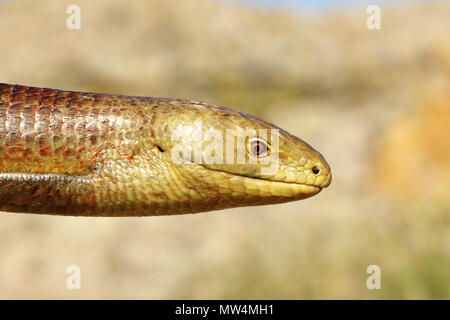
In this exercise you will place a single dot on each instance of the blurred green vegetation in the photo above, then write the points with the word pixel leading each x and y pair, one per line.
pixel 375 103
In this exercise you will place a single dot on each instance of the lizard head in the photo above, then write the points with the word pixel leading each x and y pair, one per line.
pixel 231 158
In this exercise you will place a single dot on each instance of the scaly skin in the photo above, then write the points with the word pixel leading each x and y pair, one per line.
pixel 90 154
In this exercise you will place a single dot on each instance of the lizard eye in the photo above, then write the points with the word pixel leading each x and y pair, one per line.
pixel 258 148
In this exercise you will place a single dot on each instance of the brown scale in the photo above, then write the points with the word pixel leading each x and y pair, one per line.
pixel 49 131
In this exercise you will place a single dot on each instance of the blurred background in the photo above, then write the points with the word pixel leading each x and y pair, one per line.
pixel 375 103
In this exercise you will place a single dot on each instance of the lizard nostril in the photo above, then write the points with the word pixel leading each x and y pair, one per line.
pixel 315 170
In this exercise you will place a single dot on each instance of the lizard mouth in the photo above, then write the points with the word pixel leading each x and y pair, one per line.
pixel 271 188
pixel 280 188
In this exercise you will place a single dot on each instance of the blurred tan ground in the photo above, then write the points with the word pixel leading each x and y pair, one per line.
pixel 375 103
